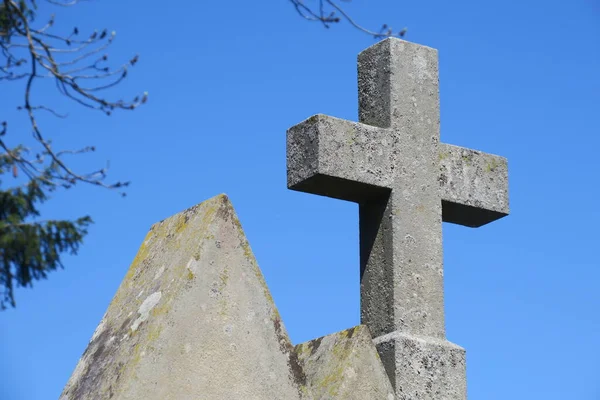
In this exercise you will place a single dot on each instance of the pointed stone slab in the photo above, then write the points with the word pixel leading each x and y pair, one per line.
pixel 193 319
pixel 345 365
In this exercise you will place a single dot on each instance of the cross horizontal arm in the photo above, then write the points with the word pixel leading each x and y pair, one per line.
pixel 326 156
pixel 474 186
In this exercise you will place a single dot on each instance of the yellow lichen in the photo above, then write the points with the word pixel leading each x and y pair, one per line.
pixel 491 166
pixel 154 333
pixel 161 309
pixel 224 276
pixel 190 275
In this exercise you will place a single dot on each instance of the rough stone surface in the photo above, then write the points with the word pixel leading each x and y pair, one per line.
pixel 357 162
pixel 345 365
pixel 425 368
pixel 474 186
pixel 193 319
pixel 406 183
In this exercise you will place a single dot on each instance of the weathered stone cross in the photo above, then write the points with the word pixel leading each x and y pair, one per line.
pixel 406 183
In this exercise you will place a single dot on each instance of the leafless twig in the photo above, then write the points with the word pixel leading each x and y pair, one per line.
pixel 80 70
pixel 329 12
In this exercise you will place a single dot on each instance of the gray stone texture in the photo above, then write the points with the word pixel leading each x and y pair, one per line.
pixel 423 368
pixel 193 319
pixel 345 365
pixel 406 183
pixel 474 186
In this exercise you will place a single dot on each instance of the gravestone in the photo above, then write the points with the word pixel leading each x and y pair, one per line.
pixel 193 319
pixel 406 183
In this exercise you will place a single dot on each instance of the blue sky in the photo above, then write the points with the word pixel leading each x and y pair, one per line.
pixel 226 79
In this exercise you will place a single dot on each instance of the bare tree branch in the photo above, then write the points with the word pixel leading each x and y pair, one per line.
pixel 30 54
pixel 330 12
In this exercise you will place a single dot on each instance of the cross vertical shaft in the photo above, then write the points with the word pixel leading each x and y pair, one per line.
pixel 398 90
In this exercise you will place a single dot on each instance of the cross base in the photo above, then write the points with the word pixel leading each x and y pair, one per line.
pixel 423 368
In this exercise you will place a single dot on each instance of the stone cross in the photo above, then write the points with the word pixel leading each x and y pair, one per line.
pixel 406 183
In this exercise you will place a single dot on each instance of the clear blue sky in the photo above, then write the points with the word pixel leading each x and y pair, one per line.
pixel 227 78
